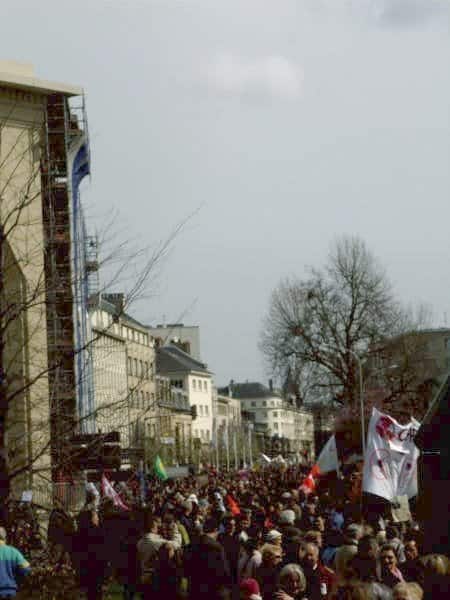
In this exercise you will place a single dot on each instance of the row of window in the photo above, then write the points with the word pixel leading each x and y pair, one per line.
pixel 203 434
pixel 200 385
pixel 140 368
pixel 140 399
pixel 134 335
pixel 203 410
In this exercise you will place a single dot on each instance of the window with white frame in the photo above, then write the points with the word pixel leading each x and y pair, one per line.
pixel 206 410
pixel 194 384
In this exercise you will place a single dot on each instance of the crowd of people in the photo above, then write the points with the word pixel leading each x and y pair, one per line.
pixel 245 536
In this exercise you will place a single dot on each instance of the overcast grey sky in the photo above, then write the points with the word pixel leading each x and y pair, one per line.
pixel 287 121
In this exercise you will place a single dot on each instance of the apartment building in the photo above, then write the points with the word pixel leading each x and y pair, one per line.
pixel 279 425
pixel 124 370
pixel 194 378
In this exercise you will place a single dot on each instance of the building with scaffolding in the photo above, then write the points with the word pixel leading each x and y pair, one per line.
pixel 46 392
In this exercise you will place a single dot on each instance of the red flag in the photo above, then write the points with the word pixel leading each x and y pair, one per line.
pixel 233 505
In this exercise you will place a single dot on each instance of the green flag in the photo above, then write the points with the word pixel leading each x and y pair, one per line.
pixel 159 469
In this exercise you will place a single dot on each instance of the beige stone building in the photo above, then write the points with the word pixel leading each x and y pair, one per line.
pixel 38 130
pixel 124 371
pixel 169 432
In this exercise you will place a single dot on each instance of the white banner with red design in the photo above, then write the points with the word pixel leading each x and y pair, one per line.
pixel 390 464
pixel 327 462
pixel 109 491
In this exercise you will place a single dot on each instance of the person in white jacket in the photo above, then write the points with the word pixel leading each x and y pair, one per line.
pixel 150 543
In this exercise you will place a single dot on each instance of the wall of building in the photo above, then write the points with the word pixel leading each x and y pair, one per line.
pixel 110 383
pixel 21 118
pixel 199 387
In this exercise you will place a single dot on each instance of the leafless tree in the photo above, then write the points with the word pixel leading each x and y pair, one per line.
pixel 318 324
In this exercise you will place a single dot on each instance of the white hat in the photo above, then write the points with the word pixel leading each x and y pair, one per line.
pixel 193 498
pixel 287 517
pixel 273 535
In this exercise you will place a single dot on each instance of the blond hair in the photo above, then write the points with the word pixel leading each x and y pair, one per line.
pixel 412 589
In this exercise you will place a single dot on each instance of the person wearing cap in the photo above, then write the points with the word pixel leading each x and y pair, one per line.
pixel 206 565
pixel 249 590
pixel 286 525
pixel 274 537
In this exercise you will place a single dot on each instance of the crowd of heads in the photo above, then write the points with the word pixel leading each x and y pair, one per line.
pixel 277 542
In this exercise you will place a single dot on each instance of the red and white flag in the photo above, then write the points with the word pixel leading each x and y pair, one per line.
pixel 327 462
pixel 110 492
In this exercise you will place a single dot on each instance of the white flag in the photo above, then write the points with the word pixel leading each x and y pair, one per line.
pixel 390 464
pixel 327 462
pixel 110 492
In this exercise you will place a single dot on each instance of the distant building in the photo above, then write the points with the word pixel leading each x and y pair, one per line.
pixel 169 433
pixel 194 378
pixel 124 370
pixel 280 426
pixel 186 337
pixel 404 373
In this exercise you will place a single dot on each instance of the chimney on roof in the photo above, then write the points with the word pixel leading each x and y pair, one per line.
pixel 117 299
pixel 230 388
pixel 271 385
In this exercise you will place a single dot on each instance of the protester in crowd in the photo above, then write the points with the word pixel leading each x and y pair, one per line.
pixel 366 562
pixel 434 576
pixel 249 590
pixel 90 554
pixel 407 591
pixel 315 537
pixel 390 573
pixel 267 573
pixel 13 566
pixel 348 550
pixel 149 545
pixel 167 575
pixel 411 566
pixel 274 537
pixel 286 521
pixel 393 539
pixel 320 580
pixel 229 539
pixel 291 583
pixel 206 565
pixel 250 558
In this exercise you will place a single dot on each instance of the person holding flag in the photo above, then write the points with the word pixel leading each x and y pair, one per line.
pixel 326 463
pixel 159 468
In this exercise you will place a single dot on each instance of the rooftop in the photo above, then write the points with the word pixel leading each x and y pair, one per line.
pixel 21 76
pixel 248 390
pixel 172 359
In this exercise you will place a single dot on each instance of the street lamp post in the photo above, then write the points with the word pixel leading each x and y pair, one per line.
pixel 250 453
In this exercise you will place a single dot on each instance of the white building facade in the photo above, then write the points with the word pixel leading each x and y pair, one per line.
pixel 193 377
